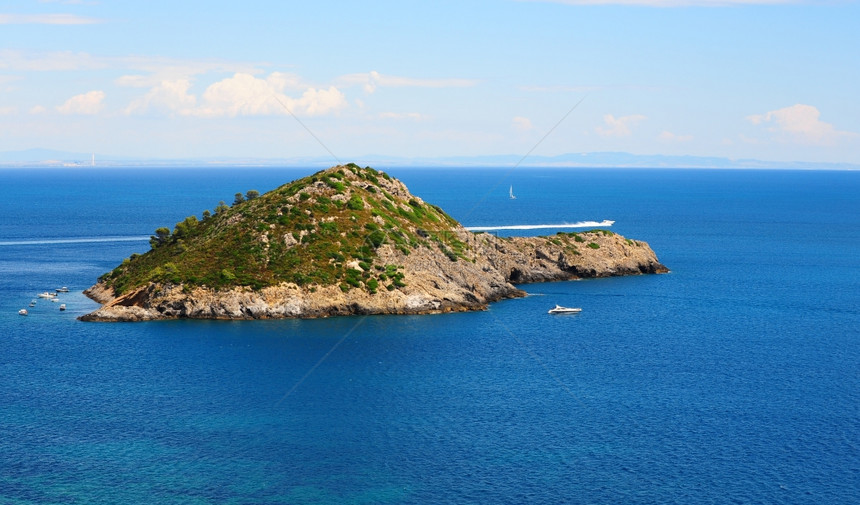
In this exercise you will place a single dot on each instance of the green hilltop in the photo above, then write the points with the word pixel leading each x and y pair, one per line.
pixel 312 232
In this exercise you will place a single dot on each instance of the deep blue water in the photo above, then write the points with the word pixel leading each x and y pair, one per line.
pixel 734 379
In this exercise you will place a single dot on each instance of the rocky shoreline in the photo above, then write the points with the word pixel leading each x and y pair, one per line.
pixel 434 283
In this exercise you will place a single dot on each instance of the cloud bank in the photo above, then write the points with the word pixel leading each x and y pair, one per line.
pixel 618 127
pixel 800 123
pixel 85 104
pixel 372 80
pixel 46 19
pixel 239 95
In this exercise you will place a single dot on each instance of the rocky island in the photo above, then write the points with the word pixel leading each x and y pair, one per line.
pixel 346 240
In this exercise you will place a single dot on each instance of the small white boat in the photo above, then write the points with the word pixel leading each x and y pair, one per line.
pixel 511 193
pixel 47 295
pixel 32 303
pixel 22 312
pixel 63 289
pixel 62 306
pixel 54 300
pixel 558 309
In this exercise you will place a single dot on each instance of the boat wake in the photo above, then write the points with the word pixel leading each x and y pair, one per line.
pixel 83 240
pixel 580 224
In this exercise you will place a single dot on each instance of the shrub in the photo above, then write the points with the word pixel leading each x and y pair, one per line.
pixel 376 237
pixel 328 226
pixel 355 203
pixel 593 245
pixel 372 286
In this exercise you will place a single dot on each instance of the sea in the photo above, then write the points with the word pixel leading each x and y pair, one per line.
pixel 733 379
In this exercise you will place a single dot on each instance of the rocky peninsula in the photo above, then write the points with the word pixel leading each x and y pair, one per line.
pixel 344 241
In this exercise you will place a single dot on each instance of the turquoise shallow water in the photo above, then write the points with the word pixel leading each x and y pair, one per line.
pixel 733 379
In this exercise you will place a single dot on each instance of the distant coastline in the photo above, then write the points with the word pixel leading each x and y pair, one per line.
pixel 46 158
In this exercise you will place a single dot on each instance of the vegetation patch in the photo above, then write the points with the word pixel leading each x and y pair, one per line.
pixel 305 232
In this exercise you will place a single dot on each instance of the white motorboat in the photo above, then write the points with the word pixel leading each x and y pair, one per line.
pixel 47 295
pixel 22 312
pixel 558 309
pixel 63 289
pixel 62 306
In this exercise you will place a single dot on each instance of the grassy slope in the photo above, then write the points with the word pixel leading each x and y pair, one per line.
pixel 311 231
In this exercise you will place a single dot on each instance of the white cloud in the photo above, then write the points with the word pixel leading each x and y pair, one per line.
pixel 150 71
pixel 46 19
pixel 318 102
pixel 7 111
pixel 11 59
pixel 799 123
pixel 240 95
pixel 669 137
pixel 402 115
pixel 371 80
pixel 86 104
pixel 522 123
pixel 167 96
pixel 560 89
pixel 282 81
pixel 38 109
pixel 617 127
pixel 137 81
pixel 674 3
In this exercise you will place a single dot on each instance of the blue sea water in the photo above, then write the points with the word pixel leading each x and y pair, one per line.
pixel 733 379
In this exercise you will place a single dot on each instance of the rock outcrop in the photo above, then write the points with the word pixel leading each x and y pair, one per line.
pixel 411 268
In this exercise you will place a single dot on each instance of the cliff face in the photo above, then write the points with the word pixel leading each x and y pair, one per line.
pixel 408 257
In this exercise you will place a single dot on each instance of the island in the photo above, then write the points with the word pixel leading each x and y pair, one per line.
pixel 344 241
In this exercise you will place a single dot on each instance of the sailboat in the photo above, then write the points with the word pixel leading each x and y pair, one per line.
pixel 511 193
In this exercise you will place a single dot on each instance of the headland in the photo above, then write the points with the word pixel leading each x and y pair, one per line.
pixel 344 241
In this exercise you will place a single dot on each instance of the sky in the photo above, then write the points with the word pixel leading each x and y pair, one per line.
pixel 775 80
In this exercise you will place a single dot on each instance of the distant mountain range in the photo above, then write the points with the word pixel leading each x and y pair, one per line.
pixel 53 158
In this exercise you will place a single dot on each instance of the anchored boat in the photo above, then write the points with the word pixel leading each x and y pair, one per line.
pixel 558 309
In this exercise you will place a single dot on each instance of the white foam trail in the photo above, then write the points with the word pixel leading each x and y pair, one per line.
pixel 580 224
pixel 87 240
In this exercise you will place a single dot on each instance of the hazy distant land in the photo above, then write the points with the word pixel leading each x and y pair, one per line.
pixel 53 158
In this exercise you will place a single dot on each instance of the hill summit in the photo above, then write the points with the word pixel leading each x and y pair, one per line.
pixel 346 240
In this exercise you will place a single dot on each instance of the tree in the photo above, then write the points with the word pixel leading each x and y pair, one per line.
pixel 239 199
pixel 251 194
pixel 161 236
pixel 206 214
pixel 221 208
pixel 185 227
